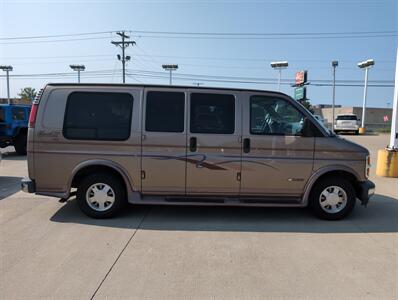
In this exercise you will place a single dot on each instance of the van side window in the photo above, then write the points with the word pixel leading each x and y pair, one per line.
pixel 165 111
pixel 212 113
pixel 274 116
pixel 98 116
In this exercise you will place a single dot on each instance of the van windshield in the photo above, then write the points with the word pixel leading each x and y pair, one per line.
pixel 347 118
pixel 2 115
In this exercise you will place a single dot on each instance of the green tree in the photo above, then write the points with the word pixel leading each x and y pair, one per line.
pixel 28 93
pixel 306 103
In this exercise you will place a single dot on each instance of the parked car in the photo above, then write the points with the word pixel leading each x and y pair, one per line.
pixel 153 144
pixel 346 123
pixel 14 126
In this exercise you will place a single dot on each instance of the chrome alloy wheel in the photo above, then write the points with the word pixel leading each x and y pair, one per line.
pixel 333 199
pixel 100 197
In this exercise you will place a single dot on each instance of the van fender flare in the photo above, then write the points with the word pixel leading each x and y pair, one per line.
pixel 322 171
pixel 106 163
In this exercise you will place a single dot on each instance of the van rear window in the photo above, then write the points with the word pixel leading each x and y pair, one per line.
pixel 98 116
pixel 347 118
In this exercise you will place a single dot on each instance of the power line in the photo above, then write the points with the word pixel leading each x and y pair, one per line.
pixel 207 34
pixel 55 41
pixel 263 34
pixel 56 35
pixel 263 38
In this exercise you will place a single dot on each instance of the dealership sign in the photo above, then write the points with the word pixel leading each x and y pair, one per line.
pixel 301 78
pixel 300 93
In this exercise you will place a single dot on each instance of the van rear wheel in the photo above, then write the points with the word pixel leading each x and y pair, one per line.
pixel 332 198
pixel 101 195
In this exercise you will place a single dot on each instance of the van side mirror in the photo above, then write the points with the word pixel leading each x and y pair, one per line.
pixel 308 128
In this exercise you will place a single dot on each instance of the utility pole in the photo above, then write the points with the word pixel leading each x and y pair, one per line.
pixel 123 44
pixel 170 68
pixel 335 63
pixel 7 69
pixel 365 65
pixel 77 68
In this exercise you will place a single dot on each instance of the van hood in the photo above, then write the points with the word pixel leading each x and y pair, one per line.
pixel 349 145
pixel 337 148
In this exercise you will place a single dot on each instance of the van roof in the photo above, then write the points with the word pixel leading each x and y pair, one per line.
pixel 162 86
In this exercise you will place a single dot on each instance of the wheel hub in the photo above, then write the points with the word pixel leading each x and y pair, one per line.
pixel 100 197
pixel 333 199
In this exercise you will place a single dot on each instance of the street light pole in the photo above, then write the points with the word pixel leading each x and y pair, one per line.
pixel 279 65
pixel 170 68
pixel 77 68
pixel 279 79
pixel 394 120
pixel 7 69
pixel 335 63
pixel 365 93
pixel 365 65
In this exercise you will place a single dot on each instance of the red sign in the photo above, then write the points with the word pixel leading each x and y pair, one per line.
pixel 301 77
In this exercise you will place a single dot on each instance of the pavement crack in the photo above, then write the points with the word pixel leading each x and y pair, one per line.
pixel 121 252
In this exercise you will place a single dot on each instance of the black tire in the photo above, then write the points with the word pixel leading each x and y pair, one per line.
pixel 120 198
pixel 336 132
pixel 20 142
pixel 319 187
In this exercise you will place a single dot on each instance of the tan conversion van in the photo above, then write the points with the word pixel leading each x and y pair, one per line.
pixel 176 145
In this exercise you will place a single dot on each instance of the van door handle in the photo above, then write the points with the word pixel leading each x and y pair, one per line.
pixel 192 144
pixel 246 145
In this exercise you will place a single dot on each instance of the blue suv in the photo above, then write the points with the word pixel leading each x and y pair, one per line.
pixel 14 120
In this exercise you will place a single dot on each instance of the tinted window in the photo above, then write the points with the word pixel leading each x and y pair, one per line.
pixel 274 116
pixel 347 118
pixel 2 115
pixel 212 113
pixel 98 116
pixel 18 114
pixel 165 111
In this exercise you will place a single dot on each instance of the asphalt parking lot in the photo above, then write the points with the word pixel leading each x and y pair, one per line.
pixel 51 250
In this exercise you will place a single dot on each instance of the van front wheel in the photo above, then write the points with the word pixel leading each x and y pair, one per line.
pixel 332 198
pixel 101 195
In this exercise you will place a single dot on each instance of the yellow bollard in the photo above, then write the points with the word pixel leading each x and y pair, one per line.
pixel 362 130
pixel 387 163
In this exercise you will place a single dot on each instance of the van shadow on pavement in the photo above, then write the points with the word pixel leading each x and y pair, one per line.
pixel 9 185
pixel 13 156
pixel 379 216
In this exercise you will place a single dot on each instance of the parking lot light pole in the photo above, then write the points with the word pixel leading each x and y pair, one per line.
pixel 170 68
pixel 77 68
pixel 335 63
pixel 387 159
pixel 365 65
pixel 279 65
pixel 394 122
pixel 7 69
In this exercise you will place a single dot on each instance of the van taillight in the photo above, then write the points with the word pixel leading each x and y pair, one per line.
pixel 32 116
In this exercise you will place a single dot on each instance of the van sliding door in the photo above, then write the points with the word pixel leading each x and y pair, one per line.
pixel 163 142
pixel 214 149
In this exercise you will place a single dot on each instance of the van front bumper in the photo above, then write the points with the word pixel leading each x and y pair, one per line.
pixel 28 185
pixel 366 190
